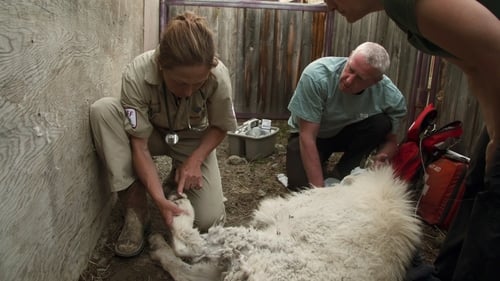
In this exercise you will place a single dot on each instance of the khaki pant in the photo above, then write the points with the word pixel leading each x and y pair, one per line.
pixel 107 118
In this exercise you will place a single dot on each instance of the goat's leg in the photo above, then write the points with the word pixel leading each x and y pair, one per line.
pixel 186 240
pixel 178 269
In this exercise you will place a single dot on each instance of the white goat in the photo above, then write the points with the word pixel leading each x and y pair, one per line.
pixel 364 228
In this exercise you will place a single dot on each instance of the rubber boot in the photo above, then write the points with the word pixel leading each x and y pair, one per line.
pixel 131 241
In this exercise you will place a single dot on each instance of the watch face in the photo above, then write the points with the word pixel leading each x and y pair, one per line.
pixel 171 138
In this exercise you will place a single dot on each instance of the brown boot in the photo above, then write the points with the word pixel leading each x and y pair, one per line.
pixel 130 243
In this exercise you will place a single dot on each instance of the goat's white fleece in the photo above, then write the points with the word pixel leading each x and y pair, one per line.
pixel 362 229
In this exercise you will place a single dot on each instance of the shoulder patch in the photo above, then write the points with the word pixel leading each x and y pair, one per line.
pixel 132 116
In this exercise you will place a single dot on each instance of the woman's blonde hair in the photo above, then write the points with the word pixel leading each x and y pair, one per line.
pixel 187 41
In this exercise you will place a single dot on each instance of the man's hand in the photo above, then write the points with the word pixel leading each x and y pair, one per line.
pixel 386 151
pixel 380 159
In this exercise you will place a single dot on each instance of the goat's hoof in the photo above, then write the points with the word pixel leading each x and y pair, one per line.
pixel 156 241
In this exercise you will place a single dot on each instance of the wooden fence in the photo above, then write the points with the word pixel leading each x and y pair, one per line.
pixel 266 45
pixel 264 48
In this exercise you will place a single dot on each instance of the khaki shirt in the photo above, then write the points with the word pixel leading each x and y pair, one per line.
pixel 143 99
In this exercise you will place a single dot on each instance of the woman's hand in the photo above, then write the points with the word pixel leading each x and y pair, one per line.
pixel 188 176
pixel 168 211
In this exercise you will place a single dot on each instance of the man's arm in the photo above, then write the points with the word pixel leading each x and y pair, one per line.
pixel 308 132
pixel 189 175
pixel 148 174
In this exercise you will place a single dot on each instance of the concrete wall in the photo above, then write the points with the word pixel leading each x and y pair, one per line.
pixel 56 58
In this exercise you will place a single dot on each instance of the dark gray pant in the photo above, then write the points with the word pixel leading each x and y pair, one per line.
pixel 471 250
pixel 355 141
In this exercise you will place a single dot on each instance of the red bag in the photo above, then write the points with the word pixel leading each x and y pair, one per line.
pixel 443 191
pixel 425 120
pixel 443 138
pixel 424 144
pixel 424 154
pixel 406 162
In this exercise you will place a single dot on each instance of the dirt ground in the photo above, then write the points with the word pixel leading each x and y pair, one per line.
pixel 244 184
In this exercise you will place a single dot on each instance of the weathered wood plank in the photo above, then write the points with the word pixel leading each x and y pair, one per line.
pixel 151 24
pixel 455 103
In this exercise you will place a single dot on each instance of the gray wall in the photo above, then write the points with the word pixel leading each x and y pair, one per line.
pixel 56 58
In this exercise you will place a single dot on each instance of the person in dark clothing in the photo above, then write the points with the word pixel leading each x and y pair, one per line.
pixel 467 34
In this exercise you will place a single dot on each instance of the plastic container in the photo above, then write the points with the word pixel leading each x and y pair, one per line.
pixel 252 141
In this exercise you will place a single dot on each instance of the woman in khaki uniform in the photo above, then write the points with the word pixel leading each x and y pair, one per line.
pixel 175 101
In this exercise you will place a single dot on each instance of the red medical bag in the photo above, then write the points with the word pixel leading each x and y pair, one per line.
pixel 443 191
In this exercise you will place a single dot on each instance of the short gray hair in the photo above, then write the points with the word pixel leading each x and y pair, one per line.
pixel 375 55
